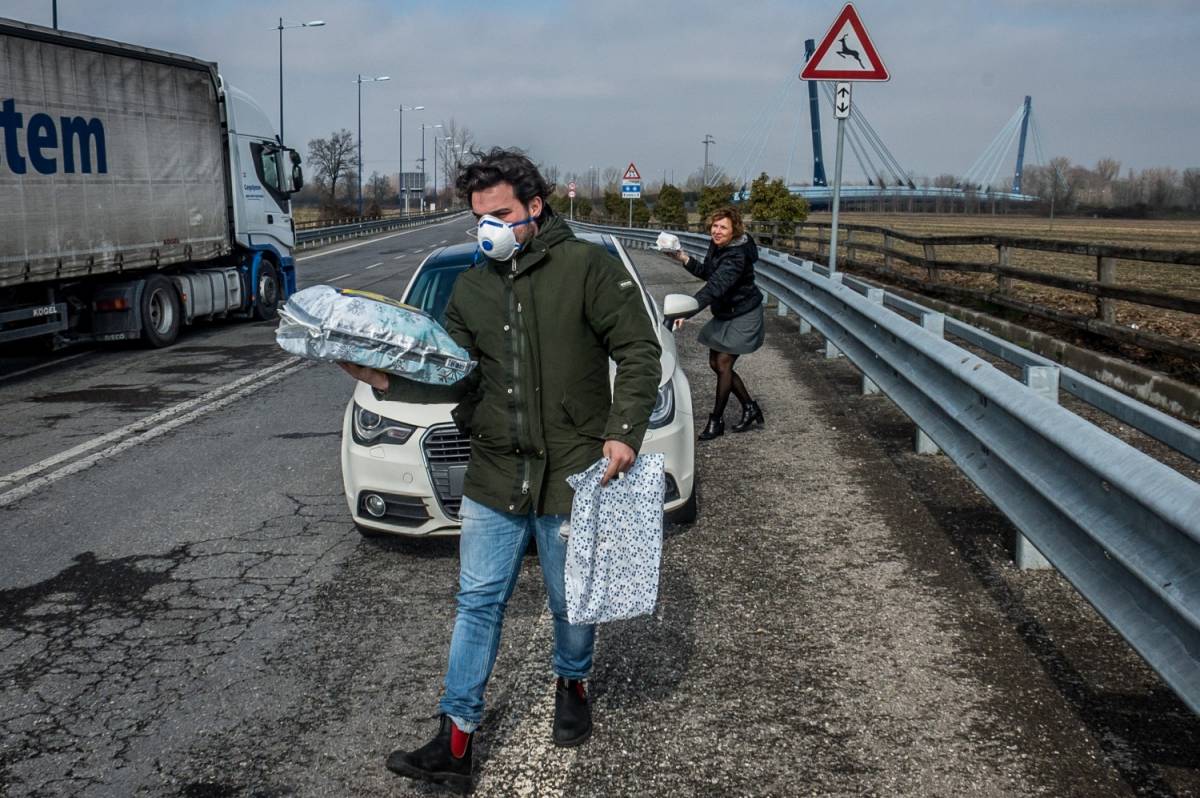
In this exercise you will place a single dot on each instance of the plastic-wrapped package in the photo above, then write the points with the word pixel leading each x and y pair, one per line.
pixel 344 325
pixel 615 542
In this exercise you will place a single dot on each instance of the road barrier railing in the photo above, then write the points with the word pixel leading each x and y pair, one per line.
pixel 1122 527
pixel 354 229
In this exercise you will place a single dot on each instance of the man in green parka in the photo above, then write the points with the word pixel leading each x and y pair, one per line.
pixel 543 314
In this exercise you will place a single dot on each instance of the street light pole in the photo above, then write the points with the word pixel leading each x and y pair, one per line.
pixel 423 126
pixel 404 188
pixel 360 81
pixel 708 139
pixel 316 23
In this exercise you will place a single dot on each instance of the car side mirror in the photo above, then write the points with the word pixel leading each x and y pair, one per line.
pixel 679 306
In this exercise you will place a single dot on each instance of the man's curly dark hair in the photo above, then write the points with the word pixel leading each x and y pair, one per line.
pixel 499 165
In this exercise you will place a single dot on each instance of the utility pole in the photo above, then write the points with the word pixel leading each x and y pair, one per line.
pixel 708 139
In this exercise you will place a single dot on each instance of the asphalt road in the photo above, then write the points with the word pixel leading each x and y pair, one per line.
pixel 186 610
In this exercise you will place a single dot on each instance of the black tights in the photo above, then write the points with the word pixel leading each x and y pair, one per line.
pixel 727 381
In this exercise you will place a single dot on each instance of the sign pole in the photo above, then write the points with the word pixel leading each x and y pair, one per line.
pixel 631 214
pixel 572 208
pixel 837 196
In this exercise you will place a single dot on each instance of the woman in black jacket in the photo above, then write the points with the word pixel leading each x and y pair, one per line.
pixel 737 326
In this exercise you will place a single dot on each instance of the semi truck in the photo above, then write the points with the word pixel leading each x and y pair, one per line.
pixel 138 192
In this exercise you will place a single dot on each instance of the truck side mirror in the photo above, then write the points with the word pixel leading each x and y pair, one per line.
pixel 296 172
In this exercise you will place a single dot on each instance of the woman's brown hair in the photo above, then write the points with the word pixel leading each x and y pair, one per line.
pixel 734 216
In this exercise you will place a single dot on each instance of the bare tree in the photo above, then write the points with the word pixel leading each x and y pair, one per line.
pixel 610 179
pixel 456 146
pixel 1191 188
pixel 332 161
pixel 379 189
pixel 1162 187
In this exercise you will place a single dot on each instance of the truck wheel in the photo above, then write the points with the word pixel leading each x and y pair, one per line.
pixel 161 315
pixel 267 292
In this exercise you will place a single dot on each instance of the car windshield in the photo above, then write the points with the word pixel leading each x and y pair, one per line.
pixel 431 290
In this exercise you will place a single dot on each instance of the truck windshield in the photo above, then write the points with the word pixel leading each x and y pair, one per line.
pixel 431 290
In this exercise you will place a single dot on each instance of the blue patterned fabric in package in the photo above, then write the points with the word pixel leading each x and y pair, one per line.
pixel 615 542
pixel 341 324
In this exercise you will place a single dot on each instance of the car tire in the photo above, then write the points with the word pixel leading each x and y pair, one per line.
pixel 161 313
pixel 690 510
pixel 267 292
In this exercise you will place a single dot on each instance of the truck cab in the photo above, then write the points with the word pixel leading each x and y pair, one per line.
pixel 263 175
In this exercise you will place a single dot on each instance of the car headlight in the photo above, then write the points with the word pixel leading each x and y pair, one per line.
pixel 664 406
pixel 370 428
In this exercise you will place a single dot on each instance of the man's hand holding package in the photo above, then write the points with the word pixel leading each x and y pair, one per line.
pixel 373 377
pixel 621 457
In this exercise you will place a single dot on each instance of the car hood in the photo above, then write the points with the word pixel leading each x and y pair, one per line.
pixel 427 415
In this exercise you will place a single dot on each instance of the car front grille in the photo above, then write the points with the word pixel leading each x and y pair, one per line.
pixel 446 454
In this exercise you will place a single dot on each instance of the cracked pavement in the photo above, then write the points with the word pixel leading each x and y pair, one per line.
pixel 197 617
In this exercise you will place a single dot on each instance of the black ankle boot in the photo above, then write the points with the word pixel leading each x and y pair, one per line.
pixel 572 713
pixel 446 759
pixel 715 428
pixel 751 415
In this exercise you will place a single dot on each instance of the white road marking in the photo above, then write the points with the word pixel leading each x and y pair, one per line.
pixel 444 240
pixel 374 240
pixel 373 265
pixel 160 422
pixel 522 760
pixel 41 366
pixel 398 257
pixel 339 277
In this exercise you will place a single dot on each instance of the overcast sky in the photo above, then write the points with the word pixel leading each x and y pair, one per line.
pixel 606 82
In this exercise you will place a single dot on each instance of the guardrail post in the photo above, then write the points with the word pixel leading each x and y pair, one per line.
pixel 1003 283
pixel 1106 274
pixel 849 245
pixel 934 323
pixel 887 251
pixel 868 386
pixel 1042 380
pixel 930 259
pixel 832 351
pixel 820 240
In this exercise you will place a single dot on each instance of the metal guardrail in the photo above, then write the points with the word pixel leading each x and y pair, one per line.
pixel 1122 527
pixel 337 232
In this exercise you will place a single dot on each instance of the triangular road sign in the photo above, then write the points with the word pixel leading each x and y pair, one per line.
pixel 631 173
pixel 846 53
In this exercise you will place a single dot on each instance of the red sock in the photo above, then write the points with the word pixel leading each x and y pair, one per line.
pixel 458 741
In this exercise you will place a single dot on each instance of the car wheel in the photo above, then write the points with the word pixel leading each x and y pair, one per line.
pixel 267 292
pixel 689 511
pixel 161 314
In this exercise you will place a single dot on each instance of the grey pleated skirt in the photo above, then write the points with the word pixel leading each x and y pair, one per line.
pixel 740 335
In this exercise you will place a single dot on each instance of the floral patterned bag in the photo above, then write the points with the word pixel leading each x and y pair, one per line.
pixel 615 542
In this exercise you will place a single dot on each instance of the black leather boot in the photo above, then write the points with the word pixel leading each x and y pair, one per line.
pixel 446 759
pixel 751 415
pixel 572 713
pixel 715 428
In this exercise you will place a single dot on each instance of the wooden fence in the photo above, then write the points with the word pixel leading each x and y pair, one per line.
pixel 1146 297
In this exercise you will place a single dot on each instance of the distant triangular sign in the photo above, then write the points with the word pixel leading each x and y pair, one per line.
pixel 632 173
pixel 846 53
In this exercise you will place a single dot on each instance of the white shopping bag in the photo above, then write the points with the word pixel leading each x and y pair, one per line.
pixel 615 544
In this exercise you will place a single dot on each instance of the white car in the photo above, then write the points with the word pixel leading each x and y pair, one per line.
pixel 403 464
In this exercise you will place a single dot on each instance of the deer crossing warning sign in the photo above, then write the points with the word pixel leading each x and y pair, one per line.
pixel 846 52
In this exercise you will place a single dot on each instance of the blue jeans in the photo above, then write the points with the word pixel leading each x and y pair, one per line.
pixel 490 551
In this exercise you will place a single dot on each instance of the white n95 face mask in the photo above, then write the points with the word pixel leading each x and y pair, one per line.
pixel 496 238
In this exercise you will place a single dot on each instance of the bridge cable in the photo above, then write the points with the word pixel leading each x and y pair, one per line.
pixel 858 156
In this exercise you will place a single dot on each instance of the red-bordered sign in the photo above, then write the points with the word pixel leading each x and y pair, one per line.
pixel 632 173
pixel 846 53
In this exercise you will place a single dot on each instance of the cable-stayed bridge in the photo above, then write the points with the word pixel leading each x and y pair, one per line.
pixel 889 186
